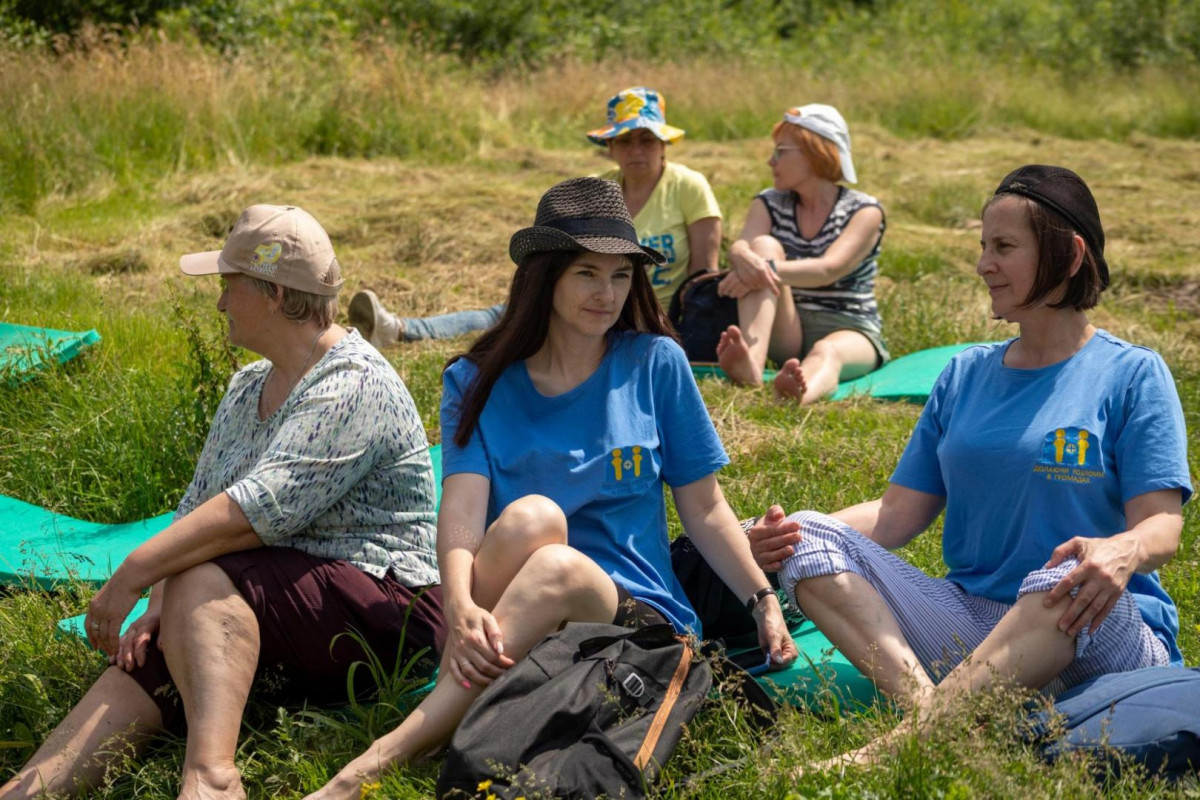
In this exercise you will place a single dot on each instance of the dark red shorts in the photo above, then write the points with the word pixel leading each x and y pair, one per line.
pixel 302 602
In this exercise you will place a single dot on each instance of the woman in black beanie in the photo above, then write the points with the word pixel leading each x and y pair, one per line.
pixel 1060 460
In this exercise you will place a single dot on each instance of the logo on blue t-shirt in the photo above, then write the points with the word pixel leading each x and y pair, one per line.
pixel 626 463
pixel 1072 455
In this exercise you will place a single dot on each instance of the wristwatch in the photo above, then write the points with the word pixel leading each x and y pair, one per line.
pixel 757 597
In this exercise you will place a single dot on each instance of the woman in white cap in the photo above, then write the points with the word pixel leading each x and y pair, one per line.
pixel 674 211
pixel 310 514
pixel 560 427
pixel 803 269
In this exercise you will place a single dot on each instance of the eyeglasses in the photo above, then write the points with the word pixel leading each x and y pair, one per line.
pixel 779 150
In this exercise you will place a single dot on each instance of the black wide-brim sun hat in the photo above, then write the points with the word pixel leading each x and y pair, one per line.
pixel 582 214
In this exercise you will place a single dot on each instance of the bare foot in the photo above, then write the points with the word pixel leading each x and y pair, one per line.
pixel 789 381
pixel 733 354
pixel 216 783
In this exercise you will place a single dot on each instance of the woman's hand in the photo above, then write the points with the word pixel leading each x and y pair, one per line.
pixel 1105 567
pixel 135 640
pixel 474 646
pixel 751 269
pixel 107 611
pixel 773 635
pixel 732 286
pixel 773 538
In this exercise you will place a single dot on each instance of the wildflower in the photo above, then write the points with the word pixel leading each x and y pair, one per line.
pixel 367 789
pixel 483 785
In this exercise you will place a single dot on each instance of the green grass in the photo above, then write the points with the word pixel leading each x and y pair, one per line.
pixel 430 169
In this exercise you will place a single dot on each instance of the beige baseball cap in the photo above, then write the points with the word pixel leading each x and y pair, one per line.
pixel 280 244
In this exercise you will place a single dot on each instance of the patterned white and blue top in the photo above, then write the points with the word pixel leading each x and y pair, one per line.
pixel 341 470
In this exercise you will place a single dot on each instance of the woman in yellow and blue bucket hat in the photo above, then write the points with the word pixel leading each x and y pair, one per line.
pixel 673 208
pixel 803 270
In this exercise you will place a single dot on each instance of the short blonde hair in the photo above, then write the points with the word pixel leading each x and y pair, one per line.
pixel 821 152
pixel 301 306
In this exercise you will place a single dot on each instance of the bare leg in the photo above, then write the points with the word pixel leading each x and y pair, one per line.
pixel 210 640
pixel 115 714
pixel 1026 648
pixel 767 326
pixel 848 610
pixel 555 584
pixel 841 354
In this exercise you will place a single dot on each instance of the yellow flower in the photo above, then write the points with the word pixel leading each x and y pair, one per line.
pixel 365 790
pixel 483 785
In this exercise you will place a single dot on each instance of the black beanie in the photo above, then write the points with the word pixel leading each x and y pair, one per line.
pixel 1061 190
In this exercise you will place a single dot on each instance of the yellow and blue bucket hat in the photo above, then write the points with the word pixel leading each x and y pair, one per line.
pixel 634 108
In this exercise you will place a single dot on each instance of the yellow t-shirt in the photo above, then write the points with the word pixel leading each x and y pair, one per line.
pixel 681 197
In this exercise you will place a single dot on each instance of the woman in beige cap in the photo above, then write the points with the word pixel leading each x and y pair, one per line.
pixel 311 513
pixel 803 269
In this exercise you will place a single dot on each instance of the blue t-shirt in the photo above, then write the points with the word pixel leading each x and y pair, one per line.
pixel 1029 458
pixel 602 451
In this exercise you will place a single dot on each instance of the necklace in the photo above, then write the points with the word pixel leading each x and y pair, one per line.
pixel 299 375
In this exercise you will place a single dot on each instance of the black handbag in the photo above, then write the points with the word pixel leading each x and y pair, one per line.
pixel 700 315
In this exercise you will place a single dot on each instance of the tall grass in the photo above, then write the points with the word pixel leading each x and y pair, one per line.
pixel 128 112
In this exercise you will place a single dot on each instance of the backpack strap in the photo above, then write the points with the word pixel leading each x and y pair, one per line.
pixel 664 710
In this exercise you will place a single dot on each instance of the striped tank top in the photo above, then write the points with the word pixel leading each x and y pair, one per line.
pixel 854 293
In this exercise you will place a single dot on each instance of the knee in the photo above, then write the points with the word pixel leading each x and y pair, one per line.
pixel 767 246
pixel 558 571
pixel 531 522
pixel 825 351
pixel 204 589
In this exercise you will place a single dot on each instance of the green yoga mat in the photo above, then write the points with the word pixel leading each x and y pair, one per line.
pixel 909 377
pixel 48 548
pixel 821 679
pixel 24 348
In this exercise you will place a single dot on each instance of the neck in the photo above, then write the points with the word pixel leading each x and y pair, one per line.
pixel 816 193
pixel 641 181
pixel 566 358
pixel 297 347
pixel 1049 336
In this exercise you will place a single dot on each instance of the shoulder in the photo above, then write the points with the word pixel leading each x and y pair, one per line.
pixel 1122 357
pixel 852 200
pixel 635 347
pixel 974 359
pixel 460 374
pixel 610 175
pixel 250 373
pixel 685 176
pixel 354 356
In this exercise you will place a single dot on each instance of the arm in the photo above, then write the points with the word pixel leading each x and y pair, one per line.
pixel 216 527
pixel 1106 564
pixel 841 258
pixel 749 270
pixel 704 242
pixel 891 521
pixel 474 644
pixel 711 524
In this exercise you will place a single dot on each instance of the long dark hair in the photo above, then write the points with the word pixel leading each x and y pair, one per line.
pixel 522 328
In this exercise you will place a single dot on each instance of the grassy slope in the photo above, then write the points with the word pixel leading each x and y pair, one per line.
pixel 112 437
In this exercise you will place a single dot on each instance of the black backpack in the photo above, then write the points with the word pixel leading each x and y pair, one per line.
pixel 593 710
pixel 700 315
